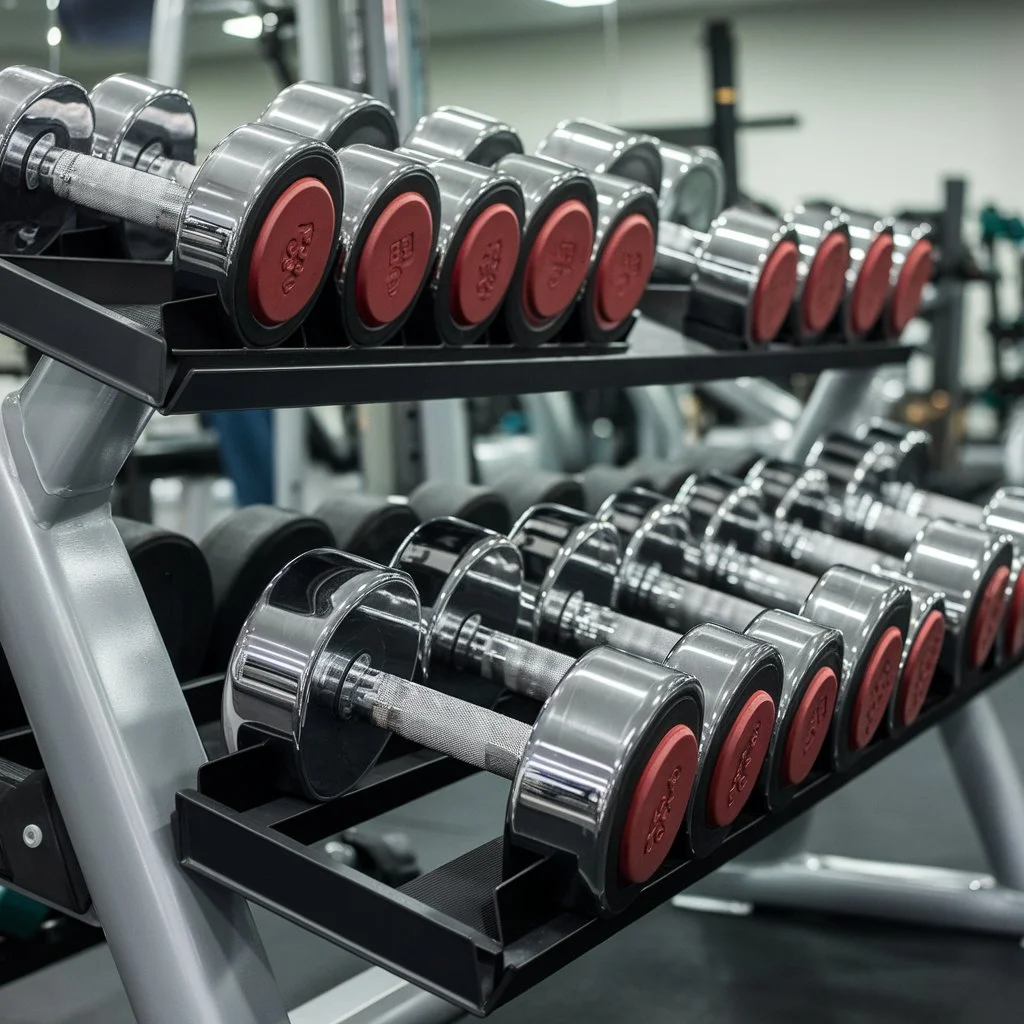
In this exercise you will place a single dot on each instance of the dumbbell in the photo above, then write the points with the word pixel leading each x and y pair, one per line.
pixel 522 489
pixel 258 222
pixel 692 185
pixel 970 567
pixel 479 218
pixel 391 220
pixel 886 513
pixel 367 525
pixel 572 566
pixel 602 778
pixel 824 241
pixel 470 581
pixel 734 513
pixel 867 278
pixel 913 263
pixel 663 561
pixel 244 551
pixel 743 274
pixel 625 222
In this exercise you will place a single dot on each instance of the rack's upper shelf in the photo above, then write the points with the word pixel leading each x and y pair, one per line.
pixel 105 317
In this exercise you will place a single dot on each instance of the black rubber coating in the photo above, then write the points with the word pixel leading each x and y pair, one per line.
pixel 668 476
pixel 524 488
pixel 245 551
pixel 471 502
pixel 176 581
pixel 368 525
pixel 602 481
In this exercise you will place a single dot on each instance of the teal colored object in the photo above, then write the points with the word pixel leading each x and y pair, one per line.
pixel 1001 225
pixel 20 917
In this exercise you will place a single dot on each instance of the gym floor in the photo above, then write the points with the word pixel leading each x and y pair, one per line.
pixel 678 965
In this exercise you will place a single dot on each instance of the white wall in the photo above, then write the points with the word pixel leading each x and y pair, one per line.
pixel 891 97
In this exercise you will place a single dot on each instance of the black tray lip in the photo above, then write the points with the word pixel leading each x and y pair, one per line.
pixel 518 965
pixel 61 307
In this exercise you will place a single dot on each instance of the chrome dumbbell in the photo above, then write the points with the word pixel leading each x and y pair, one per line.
pixel 572 566
pixel 970 567
pixel 558 230
pixel 391 220
pixel 868 470
pixel 458 567
pixel 258 220
pixel 692 185
pixel 325 663
pixel 913 264
pixel 664 559
pixel 740 513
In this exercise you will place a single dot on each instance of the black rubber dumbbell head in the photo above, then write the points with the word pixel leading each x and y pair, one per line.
pixel 368 525
pixel 470 502
pixel 524 488
pixel 601 481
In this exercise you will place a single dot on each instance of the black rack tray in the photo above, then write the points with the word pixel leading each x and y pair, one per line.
pixel 462 931
pixel 119 321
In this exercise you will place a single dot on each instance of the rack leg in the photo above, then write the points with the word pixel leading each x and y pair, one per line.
pixel 836 402
pixel 781 877
pixel 107 711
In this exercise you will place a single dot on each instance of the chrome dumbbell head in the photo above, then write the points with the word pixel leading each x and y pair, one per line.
pixel 337 117
pixel 600 148
pixel 144 125
pixel 692 185
pixel 824 241
pixel 743 274
pixel 867 279
pixel 35 104
pixel 604 774
pixel 911 447
pixel 258 219
pixel 913 263
pixel 558 229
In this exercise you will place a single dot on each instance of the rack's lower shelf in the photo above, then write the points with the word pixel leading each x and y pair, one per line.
pixel 464 931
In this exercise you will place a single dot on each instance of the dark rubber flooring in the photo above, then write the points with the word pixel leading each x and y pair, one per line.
pixel 680 966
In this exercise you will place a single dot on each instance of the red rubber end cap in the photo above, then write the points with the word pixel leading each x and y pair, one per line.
pixel 558 262
pixel 876 688
pixel 624 270
pixel 826 283
pixel 395 259
pixel 872 286
pixel 906 296
pixel 809 727
pixel 919 670
pixel 739 762
pixel 1015 618
pixel 485 264
pixel 774 293
pixel 289 257
pixel 989 616
pixel 658 807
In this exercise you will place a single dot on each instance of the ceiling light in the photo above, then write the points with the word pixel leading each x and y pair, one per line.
pixel 249 26
pixel 582 3
pixel 53 36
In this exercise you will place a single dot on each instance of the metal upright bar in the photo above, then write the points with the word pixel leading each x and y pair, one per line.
pixel 723 91
pixel 107 711
pixel 834 403
pixel 167 41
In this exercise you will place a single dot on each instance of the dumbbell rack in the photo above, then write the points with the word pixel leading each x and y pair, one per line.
pixel 114 729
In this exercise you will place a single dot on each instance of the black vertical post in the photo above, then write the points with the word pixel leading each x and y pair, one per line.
pixel 947 325
pixel 723 90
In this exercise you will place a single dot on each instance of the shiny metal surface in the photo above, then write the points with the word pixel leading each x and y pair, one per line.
pixel 225 206
pixel 905 236
pixel 806 648
pixel 324 610
pixel 373 178
pixel 912 446
pixel 601 148
pixel 33 104
pixel 581 764
pixel 337 117
pixel 466 191
pixel 692 185
pixel 731 668
pixel 468 580
pixel 864 229
pixel 812 225
pixel 138 122
pixel 463 134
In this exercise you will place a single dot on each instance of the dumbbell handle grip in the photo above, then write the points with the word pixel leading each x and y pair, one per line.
pixel 681 605
pixel 173 170
pixel 118 191
pixel 594 626
pixel 815 552
pixel 474 735
pixel 519 665
pixel 756 579
pixel 930 505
